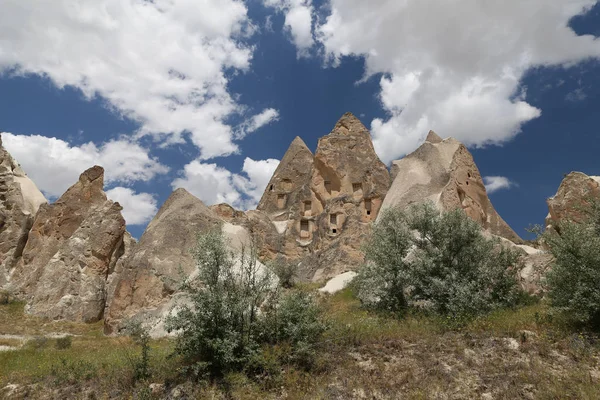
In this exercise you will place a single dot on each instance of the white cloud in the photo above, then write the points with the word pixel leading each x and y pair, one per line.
pixel 456 69
pixel 161 62
pixel 138 208
pixel 54 165
pixel 496 183
pixel 258 121
pixel 298 21
pixel 214 184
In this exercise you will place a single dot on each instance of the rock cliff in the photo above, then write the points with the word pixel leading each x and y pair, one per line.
pixel 573 196
pixel 71 249
pixel 20 200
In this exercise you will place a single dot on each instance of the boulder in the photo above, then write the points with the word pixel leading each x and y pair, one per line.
pixel 72 247
pixel 444 172
pixel 572 198
pixel 20 200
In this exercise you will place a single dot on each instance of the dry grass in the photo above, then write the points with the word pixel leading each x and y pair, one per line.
pixel 510 354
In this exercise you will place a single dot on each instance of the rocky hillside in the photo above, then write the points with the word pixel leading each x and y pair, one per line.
pixel 74 260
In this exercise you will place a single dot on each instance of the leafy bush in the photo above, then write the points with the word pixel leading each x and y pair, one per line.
pixel 439 261
pixel 573 281
pixel 284 270
pixel 236 310
pixel 4 297
pixel 295 320
pixel 218 331
pixel 63 343
pixel 140 336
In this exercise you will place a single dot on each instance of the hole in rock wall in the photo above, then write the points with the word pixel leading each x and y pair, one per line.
pixel 356 187
pixel 271 188
pixel 368 206
pixel 334 230
pixel 327 186
pixel 304 229
pixel 333 219
pixel 307 205
pixel 281 200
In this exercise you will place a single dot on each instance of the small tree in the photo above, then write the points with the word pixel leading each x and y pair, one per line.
pixel 439 260
pixel 295 320
pixel 284 270
pixel 218 330
pixel 574 279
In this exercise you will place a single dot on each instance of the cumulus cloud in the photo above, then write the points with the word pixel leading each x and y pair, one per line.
pixel 161 63
pixel 456 70
pixel 214 184
pixel 138 208
pixel 258 121
pixel 298 21
pixel 496 183
pixel 54 165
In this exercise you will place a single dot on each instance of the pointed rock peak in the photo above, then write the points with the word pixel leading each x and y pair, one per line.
pixel 92 174
pixel 298 142
pixel 349 124
pixel 433 137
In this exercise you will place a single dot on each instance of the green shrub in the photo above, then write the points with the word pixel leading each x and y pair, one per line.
pixel 37 342
pixel 4 297
pixel 218 331
pixel 574 279
pixel 140 336
pixel 437 261
pixel 236 312
pixel 284 270
pixel 63 343
pixel 295 320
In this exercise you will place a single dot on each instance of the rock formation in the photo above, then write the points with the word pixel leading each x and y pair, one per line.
pixel 20 200
pixel 573 196
pixel 321 206
pixel 147 276
pixel 443 171
pixel 71 249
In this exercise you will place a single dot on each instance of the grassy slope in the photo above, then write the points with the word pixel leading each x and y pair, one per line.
pixel 362 356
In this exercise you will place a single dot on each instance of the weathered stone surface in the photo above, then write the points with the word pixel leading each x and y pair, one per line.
pixel 147 279
pixel 444 172
pixel 69 253
pixel 20 200
pixel 144 285
pixel 573 196
pixel 321 206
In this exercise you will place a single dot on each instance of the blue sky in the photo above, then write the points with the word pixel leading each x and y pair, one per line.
pixel 208 97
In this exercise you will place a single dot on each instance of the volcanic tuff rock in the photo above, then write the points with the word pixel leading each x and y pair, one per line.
pixel 321 206
pixel 19 202
pixel 574 194
pixel 146 278
pixel 72 247
pixel 443 171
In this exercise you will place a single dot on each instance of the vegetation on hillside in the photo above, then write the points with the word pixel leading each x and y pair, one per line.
pixel 436 261
pixel 243 336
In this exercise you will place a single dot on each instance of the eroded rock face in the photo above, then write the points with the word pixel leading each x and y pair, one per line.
pixel 146 279
pixel 20 200
pixel 322 206
pixel 573 196
pixel 444 172
pixel 72 246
